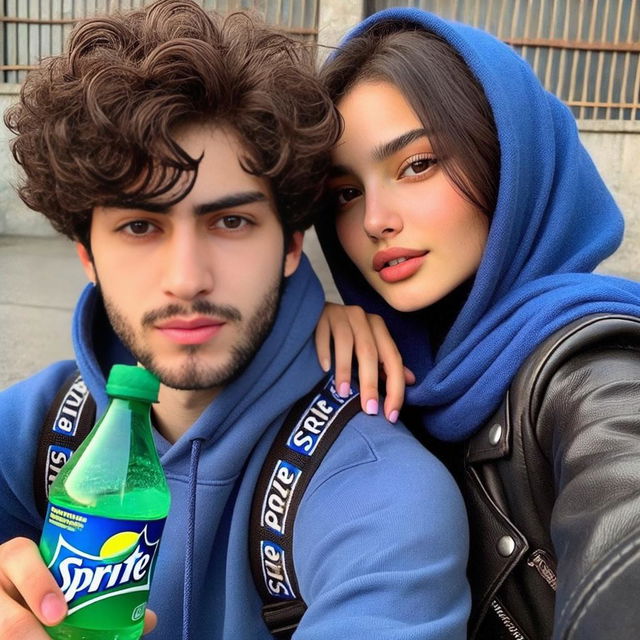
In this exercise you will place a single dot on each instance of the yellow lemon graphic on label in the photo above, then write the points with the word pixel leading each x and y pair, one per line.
pixel 120 544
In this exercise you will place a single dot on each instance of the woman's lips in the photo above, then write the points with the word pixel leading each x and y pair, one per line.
pixel 194 331
pixel 398 263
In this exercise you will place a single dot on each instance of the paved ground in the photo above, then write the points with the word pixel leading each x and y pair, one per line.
pixel 40 280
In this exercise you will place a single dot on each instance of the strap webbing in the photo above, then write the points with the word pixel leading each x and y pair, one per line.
pixel 309 430
pixel 68 422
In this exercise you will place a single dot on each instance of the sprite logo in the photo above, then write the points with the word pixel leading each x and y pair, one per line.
pixel 123 565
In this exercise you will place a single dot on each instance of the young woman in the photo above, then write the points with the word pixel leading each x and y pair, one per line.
pixel 470 218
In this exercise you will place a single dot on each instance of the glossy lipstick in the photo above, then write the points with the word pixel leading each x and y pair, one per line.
pixel 397 263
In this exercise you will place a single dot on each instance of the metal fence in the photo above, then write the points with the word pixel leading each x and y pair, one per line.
pixel 34 29
pixel 587 52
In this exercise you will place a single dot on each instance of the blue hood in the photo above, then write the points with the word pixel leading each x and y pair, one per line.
pixel 554 222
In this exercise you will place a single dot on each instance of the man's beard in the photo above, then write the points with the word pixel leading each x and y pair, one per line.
pixel 195 373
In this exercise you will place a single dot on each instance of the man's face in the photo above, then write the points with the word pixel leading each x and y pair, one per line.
pixel 192 290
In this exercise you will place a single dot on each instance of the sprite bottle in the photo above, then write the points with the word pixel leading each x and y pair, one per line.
pixel 107 509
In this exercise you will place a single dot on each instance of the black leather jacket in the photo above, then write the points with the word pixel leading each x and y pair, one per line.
pixel 552 485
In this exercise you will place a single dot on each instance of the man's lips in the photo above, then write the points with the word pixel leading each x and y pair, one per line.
pixel 190 330
pixel 398 263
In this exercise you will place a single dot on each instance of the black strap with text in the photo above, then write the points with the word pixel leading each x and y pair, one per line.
pixel 311 427
pixel 68 422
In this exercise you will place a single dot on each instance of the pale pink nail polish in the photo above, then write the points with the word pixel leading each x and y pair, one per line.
pixel 372 407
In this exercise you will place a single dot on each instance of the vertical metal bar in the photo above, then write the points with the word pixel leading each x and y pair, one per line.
pixel 588 57
pixel 551 52
pixel 45 29
pixel 539 34
pixel 3 50
pixel 514 20
pixel 33 39
pixel 55 34
pixel 500 27
pixel 626 83
pixel 614 65
pixel 68 11
pixel 635 110
pixel 23 37
pixel 562 54
pixel 576 56
pixel 636 92
pixel 476 14
pixel 11 45
pixel 600 67
pixel 527 28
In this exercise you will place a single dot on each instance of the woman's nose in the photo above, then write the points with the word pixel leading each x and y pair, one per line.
pixel 381 218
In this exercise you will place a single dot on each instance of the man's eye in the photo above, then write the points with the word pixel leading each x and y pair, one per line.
pixel 138 228
pixel 346 195
pixel 231 222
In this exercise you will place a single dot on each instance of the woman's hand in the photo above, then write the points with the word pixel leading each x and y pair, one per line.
pixel 365 334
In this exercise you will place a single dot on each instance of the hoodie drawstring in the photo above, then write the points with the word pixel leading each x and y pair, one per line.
pixel 191 526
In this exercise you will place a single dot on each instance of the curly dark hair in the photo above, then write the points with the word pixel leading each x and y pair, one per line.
pixel 94 125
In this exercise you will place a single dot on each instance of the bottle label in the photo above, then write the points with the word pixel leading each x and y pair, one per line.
pixel 103 565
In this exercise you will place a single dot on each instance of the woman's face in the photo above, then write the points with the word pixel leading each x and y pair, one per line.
pixel 399 218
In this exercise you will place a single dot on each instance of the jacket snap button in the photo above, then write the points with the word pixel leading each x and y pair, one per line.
pixel 506 546
pixel 495 433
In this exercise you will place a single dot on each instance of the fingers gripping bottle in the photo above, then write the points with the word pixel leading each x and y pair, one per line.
pixel 106 513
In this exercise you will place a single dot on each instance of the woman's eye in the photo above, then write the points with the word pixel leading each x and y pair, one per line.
pixel 346 195
pixel 416 167
pixel 231 222
pixel 138 228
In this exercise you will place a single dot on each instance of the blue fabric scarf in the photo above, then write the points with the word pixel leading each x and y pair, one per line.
pixel 554 222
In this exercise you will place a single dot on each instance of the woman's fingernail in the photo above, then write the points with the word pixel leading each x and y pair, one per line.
pixel 344 390
pixel 52 608
pixel 372 407
pixel 326 365
pixel 393 416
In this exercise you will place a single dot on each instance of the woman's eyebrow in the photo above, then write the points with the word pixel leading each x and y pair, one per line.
pixel 386 149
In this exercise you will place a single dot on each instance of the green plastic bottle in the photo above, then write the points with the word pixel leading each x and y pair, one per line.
pixel 106 512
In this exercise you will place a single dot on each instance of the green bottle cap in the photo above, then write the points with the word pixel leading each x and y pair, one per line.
pixel 133 383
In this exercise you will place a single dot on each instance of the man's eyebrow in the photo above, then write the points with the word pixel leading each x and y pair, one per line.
pixel 226 202
pixel 151 207
pixel 383 151
pixel 230 201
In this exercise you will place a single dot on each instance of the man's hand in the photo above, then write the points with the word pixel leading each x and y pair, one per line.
pixel 29 595
pixel 365 334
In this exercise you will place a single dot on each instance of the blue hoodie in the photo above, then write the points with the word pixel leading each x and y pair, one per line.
pixel 380 538
pixel 554 222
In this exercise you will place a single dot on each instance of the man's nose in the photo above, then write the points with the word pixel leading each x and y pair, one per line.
pixel 188 272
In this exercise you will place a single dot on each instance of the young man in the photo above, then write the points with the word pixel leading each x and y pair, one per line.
pixel 184 155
